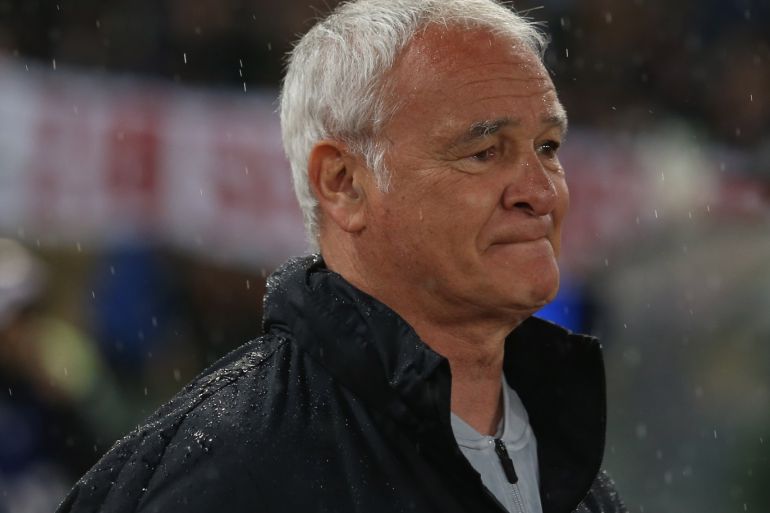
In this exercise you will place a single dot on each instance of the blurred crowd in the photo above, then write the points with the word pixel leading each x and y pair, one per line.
pixel 92 341
pixel 618 65
pixel 90 350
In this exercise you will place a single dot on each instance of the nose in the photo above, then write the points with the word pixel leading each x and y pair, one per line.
pixel 531 188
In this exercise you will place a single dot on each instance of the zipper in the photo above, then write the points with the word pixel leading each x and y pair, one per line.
pixel 510 474
pixel 506 461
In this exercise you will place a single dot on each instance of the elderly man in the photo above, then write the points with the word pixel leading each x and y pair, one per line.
pixel 400 369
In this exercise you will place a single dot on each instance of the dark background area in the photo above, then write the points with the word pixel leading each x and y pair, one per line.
pixel 616 64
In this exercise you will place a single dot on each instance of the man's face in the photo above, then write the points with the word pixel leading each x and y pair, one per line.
pixel 472 218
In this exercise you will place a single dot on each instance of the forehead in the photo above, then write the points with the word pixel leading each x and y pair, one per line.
pixel 451 74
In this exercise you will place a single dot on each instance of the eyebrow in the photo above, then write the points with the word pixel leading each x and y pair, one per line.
pixel 487 127
pixel 558 119
pixel 484 128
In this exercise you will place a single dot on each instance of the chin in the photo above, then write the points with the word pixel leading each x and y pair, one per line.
pixel 535 291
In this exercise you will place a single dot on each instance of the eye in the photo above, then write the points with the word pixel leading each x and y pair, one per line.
pixel 485 155
pixel 548 149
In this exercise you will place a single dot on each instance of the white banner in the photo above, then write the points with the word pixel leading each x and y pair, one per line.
pixel 91 160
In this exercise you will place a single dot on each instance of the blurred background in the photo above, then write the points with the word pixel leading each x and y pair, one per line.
pixel 144 197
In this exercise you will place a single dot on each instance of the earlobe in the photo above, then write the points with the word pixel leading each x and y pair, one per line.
pixel 334 177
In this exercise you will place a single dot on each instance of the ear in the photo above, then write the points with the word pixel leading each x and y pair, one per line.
pixel 335 177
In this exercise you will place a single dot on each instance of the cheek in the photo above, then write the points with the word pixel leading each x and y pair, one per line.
pixel 453 214
pixel 446 211
pixel 560 213
pixel 474 201
pixel 563 207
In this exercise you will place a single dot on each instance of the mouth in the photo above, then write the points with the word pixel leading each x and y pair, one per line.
pixel 519 240
pixel 536 231
pixel 522 235
pixel 521 246
pixel 532 244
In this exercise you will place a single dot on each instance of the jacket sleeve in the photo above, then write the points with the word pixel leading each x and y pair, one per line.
pixel 602 498
pixel 128 475
pixel 118 481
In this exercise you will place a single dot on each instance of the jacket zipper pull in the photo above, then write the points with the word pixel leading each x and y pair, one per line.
pixel 505 460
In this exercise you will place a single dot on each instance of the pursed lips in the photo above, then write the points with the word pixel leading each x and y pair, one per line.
pixel 523 231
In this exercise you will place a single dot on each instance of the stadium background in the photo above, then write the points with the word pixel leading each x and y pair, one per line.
pixel 144 197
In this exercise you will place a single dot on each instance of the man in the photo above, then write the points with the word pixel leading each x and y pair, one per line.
pixel 400 370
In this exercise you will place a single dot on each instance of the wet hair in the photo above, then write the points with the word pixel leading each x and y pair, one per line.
pixel 336 78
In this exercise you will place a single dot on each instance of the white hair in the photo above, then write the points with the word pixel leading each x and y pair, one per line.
pixel 336 76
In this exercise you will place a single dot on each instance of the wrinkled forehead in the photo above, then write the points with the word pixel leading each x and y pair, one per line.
pixel 451 68
pixel 437 43
pixel 440 57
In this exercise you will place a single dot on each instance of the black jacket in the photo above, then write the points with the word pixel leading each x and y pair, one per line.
pixel 340 407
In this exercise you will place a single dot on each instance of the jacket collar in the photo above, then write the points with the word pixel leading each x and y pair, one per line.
pixel 559 376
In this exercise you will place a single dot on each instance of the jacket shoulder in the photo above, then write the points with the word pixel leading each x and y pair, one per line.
pixel 122 477
pixel 603 497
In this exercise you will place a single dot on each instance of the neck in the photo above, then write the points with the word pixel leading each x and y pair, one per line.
pixel 473 343
pixel 476 361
